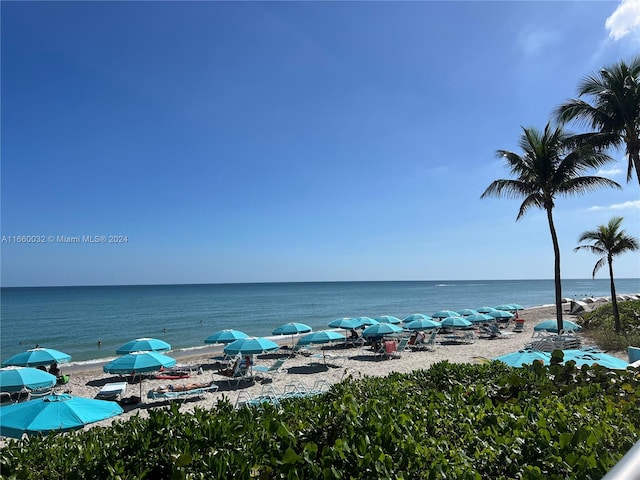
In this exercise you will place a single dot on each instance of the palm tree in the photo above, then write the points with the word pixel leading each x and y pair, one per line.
pixel 551 166
pixel 609 241
pixel 615 108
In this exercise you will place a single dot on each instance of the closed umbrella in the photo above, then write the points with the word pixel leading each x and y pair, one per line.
pixel 250 346
pixel 54 413
pixel 380 330
pixel 14 379
pixel 422 325
pixel 455 322
pixel 37 357
pixel 225 336
pixel 143 345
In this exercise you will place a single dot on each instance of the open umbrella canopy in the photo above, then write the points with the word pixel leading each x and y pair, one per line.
pixel 37 357
pixel 525 357
pixel 364 321
pixel 552 326
pixel 14 379
pixel 425 324
pixel 517 306
pixel 139 362
pixel 467 311
pixel 143 345
pixel 323 336
pixel 582 357
pixel 380 330
pixel 225 336
pixel 480 318
pixel 388 319
pixel 445 314
pixel 346 323
pixel 506 307
pixel 54 413
pixel 292 328
pixel 455 322
pixel 485 309
pixel 500 314
pixel 250 346
pixel 416 316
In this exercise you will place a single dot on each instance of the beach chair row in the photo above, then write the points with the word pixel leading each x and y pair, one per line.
pixel 273 395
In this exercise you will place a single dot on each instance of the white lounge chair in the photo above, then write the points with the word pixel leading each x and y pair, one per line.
pixel 112 391
pixel 177 394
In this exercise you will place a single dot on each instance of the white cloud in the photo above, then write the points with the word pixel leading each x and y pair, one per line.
pixel 624 20
pixel 618 206
pixel 613 172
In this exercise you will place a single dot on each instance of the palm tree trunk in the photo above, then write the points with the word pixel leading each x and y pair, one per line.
pixel 556 270
pixel 634 157
pixel 614 300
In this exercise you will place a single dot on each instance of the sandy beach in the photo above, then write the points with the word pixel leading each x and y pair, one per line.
pixel 87 380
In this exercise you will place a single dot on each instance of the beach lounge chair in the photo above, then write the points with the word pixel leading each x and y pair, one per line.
pixel 112 391
pixel 277 365
pixel 238 374
pixel 428 344
pixel 183 393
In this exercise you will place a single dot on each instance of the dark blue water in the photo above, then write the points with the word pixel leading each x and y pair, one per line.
pixel 73 319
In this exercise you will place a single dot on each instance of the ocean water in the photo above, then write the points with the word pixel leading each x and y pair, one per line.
pixel 73 319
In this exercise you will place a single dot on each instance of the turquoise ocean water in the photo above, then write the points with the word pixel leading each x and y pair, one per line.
pixel 73 319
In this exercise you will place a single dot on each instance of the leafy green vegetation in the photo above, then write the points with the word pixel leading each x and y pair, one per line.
pixel 451 421
pixel 599 326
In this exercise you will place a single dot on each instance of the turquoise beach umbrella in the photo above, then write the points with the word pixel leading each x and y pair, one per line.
pixel 552 326
pixel 143 345
pixel 367 321
pixel 388 319
pixel 323 336
pixel 14 379
pixel 506 308
pixel 139 362
pixel 291 328
pixel 416 316
pixel 445 314
pixel 54 413
pixel 37 357
pixel 250 346
pixel 500 314
pixel 467 312
pixel 480 318
pixel 485 309
pixel 422 325
pixel 346 323
pixel 524 357
pixel 380 330
pixel 455 322
pixel 225 336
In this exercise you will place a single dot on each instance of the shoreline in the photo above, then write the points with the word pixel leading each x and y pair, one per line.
pixel 206 350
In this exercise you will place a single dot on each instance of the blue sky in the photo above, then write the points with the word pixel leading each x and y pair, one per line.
pixel 295 141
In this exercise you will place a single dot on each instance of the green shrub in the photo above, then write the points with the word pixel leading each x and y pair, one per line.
pixel 598 326
pixel 451 421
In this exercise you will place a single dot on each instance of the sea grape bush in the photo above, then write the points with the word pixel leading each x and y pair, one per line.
pixel 451 421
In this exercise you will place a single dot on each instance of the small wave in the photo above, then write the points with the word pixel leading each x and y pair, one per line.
pixel 445 285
